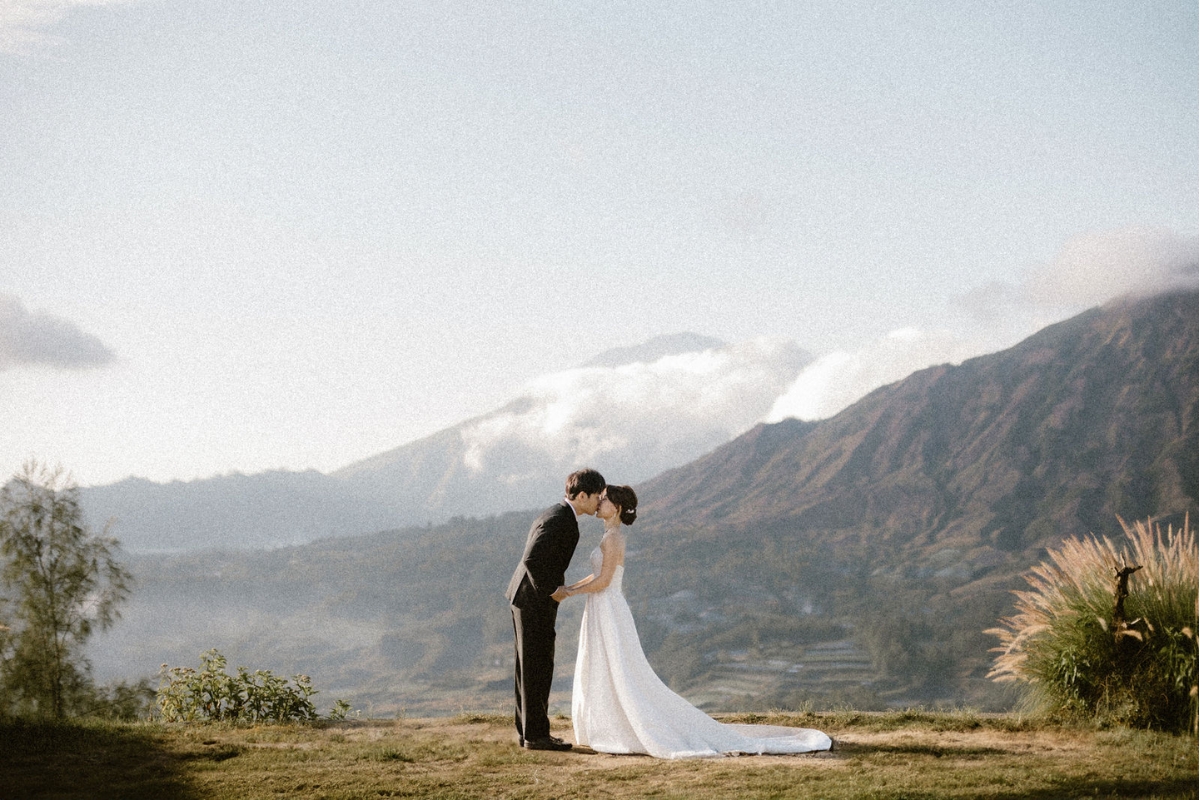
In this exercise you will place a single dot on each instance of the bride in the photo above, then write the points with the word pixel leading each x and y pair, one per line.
pixel 618 704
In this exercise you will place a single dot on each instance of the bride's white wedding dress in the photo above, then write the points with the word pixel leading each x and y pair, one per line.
pixel 618 704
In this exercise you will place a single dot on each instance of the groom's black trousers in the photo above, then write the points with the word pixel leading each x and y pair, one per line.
pixel 533 628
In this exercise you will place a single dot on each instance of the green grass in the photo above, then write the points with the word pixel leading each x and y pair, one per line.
pixel 903 754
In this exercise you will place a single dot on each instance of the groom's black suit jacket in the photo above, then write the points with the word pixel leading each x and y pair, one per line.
pixel 548 550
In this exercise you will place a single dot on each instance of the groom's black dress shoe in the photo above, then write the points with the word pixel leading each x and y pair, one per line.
pixel 546 743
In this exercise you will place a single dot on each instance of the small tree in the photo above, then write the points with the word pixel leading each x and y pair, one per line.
pixel 61 583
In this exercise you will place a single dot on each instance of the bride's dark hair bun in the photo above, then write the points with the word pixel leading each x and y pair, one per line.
pixel 624 497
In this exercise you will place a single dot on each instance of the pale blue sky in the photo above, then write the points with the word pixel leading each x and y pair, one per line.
pixel 308 232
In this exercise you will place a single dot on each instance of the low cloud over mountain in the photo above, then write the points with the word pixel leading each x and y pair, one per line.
pixel 634 419
pixel 628 417
pixel 837 380
pixel 1093 269
pixel 1088 271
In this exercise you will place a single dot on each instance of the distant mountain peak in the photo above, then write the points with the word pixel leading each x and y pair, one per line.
pixel 648 352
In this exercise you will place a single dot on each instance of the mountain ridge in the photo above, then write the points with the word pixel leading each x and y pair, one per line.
pixel 981 403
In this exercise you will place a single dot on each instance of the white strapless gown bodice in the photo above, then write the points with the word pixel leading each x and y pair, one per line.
pixel 618 704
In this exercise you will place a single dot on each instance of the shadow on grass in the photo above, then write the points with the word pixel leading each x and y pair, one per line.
pixel 937 751
pixel 92 760
pixel 1083 787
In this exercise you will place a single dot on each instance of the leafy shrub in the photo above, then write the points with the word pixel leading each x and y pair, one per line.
pixel 1064 645
pixel 187 695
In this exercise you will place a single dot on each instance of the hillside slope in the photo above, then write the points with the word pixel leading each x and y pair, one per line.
pixel 1088 419
pixel 912 515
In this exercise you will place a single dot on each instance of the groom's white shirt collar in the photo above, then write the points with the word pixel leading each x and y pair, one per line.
pixel 573 511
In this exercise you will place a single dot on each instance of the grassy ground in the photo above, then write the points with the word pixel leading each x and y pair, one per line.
pixel 886 755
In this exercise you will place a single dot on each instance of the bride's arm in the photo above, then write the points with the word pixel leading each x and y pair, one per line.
pixel 563 592
pixel 611 549
pixel 581 582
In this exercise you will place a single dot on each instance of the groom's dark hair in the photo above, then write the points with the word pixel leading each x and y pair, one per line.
pixel 584 481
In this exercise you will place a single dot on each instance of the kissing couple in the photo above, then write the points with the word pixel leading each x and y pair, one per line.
pixel 618 704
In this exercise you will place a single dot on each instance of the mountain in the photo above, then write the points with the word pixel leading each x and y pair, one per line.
pixel 853 561
pixel 631 411
pixel 912 515
pixel 1088 419
pixel 269 509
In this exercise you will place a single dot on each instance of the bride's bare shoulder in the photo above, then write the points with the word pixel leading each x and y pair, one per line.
pixel 614 536
pixel 613 542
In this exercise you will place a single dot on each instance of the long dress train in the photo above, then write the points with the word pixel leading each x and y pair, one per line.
pixel 618 704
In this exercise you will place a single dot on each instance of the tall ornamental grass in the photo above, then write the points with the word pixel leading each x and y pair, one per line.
pixel 1075 662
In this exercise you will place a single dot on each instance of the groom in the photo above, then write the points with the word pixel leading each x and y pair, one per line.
pixel 531 595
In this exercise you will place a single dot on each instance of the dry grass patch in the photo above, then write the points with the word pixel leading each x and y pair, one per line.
pixel 896 755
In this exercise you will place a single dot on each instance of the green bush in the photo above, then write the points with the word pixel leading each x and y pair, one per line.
pixel 210 694
pixel 1065 646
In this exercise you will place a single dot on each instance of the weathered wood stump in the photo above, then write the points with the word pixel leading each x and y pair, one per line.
pixel 1120 627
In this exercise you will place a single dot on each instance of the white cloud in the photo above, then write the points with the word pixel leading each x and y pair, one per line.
pixel 39 339
pixel 637 419
pixel 1094 268
pixel 837 380
pixel 25 24
pixel 1088 271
